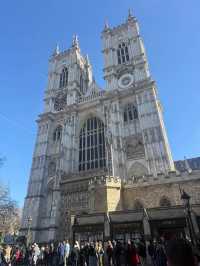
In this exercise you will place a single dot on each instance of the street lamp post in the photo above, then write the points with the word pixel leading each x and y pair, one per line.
pixel 29 219
pixel 186 203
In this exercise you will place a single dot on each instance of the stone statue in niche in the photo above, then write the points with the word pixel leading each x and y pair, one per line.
pixel 134 147
pixel 146 137
pixel 52 169
pixel 108 136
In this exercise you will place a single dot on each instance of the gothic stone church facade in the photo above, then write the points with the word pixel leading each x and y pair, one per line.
pixel 102 156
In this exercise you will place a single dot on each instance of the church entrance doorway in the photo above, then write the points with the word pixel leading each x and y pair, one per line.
pixel 169 229
pixel 88 233
pixel 127 231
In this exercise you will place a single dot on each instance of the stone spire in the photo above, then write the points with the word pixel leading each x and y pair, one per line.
pixel 130 15
pixel 56 50
pixel 87 60
pixel 187 166
pixel 106 25
pixel 75 42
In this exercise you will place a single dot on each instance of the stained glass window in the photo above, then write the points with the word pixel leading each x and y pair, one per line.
pixel 123 53
pixel 64 78
pixel 92 145
pixel 130 113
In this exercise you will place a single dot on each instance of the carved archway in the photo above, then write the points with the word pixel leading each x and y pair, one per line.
pixel 137 169
pixel 165 202
pixel 138 205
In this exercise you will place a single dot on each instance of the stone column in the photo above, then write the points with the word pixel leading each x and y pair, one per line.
pixel 106 227
pixel 147 234
pixel 71 231
pixel 195 225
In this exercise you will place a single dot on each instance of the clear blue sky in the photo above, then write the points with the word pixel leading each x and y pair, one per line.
pixel 29 32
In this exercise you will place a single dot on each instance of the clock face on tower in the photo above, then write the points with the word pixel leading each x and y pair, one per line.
pixel 60 102
pixel 125 81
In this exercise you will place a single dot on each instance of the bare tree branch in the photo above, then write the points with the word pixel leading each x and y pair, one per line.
pixel 9 212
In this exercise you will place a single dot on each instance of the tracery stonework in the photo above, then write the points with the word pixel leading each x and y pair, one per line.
pixel 77 200
pixel 60 102
pixel 95 146
pixel 135 147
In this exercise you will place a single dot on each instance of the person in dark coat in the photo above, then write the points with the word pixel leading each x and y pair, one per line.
pixel 160 254
pixel 93 259
pixel 142 252
pixel 132 258
pixel 109 253
pixel 118 253
pixel 82 257
pixel 179 253
pixel 75 254
pixel 151 251
pixel 86 253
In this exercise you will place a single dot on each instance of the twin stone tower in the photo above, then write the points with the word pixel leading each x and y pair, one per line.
pixel 90 140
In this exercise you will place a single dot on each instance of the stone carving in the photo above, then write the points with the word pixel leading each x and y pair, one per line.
pixel 165 202
pixel 138 205
pixel 137 170
pixel 52 169
pixel 152 135
pixel 77 200
pixel 108 135
pixel 118 143
pixel 60 102
pixel 134 147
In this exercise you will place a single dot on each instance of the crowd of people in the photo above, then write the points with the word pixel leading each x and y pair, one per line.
pixel 115 253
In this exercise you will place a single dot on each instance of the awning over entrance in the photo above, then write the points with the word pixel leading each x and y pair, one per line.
pixel 126 216
pixel 85 219
pixel 166 213
pixel 133 224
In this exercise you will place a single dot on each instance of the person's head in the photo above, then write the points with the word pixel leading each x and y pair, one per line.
pixel 109 243
pixel 86 244
pixel 118 243
pixel 179 253
pixel 100 244
pixel 132 243
pixel 129 242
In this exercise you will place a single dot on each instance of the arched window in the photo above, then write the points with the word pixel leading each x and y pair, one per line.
pixel 92 145
pixel 57 135
pixel 165 202
pixel 138 205
pixel 122 53
pixel 130 113
pixel 81 83
pixel 64 78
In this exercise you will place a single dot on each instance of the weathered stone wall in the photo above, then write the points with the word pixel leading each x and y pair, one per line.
pixel 150 194
pixel 105 195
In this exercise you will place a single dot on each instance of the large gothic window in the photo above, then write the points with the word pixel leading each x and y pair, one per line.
pixel 122 53
pixel 130 113
pixel 92 145
pixel 57 135
pixel 64 78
